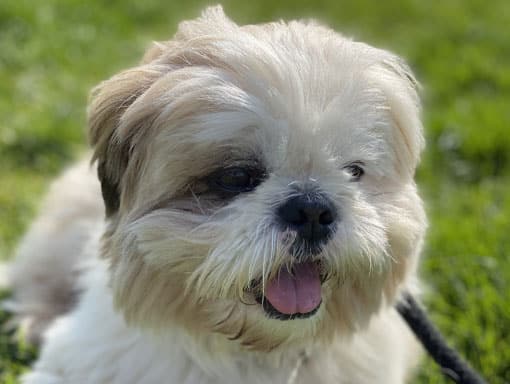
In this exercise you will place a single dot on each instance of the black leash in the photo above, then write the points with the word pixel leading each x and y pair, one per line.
pixel 450 362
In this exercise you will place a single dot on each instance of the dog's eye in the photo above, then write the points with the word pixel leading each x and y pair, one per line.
pixel 237 179
pixel 355 170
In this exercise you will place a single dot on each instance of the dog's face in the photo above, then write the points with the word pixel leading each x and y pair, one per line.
pixel 259 181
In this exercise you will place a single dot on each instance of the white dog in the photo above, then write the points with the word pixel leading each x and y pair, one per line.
pixel 261 217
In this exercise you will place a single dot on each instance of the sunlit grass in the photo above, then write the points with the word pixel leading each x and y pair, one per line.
pixel 52 52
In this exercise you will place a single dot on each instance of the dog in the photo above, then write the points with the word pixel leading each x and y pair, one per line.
pixel 262 217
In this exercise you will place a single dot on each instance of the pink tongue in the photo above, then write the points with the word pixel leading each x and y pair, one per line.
pixel 299 292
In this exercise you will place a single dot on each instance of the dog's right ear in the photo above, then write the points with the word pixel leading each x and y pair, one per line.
pixel 108 102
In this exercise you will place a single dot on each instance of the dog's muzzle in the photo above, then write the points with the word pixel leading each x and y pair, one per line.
pixel 295 291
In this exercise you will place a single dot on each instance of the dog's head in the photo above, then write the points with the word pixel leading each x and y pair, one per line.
pixel 257 174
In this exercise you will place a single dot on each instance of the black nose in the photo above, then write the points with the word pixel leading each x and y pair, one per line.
pixel 312 216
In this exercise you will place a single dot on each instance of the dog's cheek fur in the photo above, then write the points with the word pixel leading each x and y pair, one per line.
pixel 150 294
pixel 406 224
pixel 374 254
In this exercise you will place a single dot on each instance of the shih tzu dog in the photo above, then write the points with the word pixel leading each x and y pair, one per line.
pixel 261 217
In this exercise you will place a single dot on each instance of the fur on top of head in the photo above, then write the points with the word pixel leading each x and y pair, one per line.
pixel 300 104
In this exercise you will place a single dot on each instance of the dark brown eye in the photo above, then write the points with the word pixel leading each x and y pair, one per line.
pixel 355 170
pixel 237 179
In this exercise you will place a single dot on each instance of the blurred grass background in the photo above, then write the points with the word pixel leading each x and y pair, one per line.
pixel 53 52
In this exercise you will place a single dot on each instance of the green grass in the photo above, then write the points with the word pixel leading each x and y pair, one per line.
pixel 53 52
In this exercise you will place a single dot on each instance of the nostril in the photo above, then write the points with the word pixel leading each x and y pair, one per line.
pixel 301 218
pixel 293 215
pixel 326 217
pixel 296 216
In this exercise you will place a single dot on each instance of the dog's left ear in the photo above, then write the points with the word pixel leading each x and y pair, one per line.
pixel 108 103
pixel 394 77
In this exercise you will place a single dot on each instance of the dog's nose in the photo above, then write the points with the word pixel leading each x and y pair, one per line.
pixel 312 216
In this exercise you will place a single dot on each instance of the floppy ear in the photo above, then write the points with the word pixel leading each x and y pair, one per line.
pixel 396 80
pixel 108 102
pixel 405 106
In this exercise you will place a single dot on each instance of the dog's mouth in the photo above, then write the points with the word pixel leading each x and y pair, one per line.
pixel 293 294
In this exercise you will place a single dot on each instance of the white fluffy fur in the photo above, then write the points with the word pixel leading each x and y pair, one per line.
pixel 43 277
pixel 163 290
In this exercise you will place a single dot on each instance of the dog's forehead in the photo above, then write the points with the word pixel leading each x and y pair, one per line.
pixel 281 97
pixel 350 127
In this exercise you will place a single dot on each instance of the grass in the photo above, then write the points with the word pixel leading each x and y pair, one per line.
pixel 53 52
